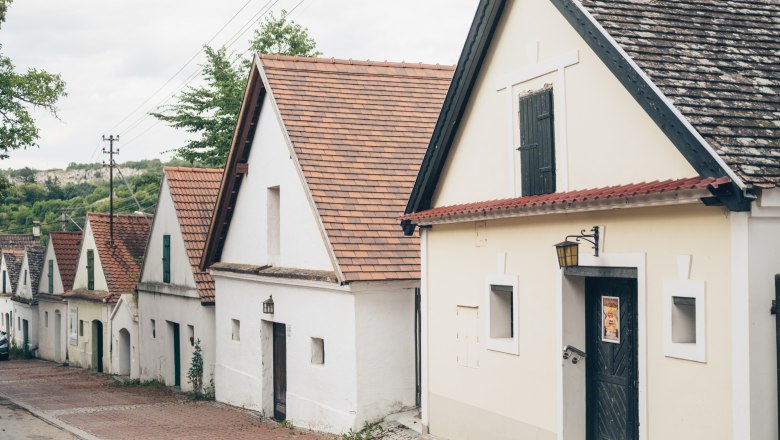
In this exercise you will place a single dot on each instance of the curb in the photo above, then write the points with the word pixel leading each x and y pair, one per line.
pixel 52 420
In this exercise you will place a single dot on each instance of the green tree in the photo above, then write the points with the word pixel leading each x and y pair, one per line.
pixel 19 93
pixel 281 36
pixel 210 110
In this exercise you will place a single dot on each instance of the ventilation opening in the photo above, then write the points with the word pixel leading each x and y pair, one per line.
pixel 317 351
pixel 501 307
pixel 236 332
pixel 683 319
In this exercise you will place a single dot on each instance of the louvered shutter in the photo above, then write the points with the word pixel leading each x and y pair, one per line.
pixel 537 143
pixel 90 269
pixel 166 258
pixel 51 276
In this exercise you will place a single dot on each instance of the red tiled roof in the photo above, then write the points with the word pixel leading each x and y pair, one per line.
pixel 360 130
pixel 66 250
pixel 194 192
pixel 17 241
pixel 620 192
pixel 122 261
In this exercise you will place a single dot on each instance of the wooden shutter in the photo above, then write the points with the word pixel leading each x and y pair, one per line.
pixel 90 269
pixel 166 258
pixel 51 276
pixel 4 281
pixel 537 143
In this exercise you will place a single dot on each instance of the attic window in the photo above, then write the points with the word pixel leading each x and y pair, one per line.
pixel 90 269
pixel 166 258
pixel 51 276
pixel 236 331
pixel 274 223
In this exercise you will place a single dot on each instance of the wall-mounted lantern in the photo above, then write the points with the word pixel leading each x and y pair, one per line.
pixel 268 305
pixel 568 251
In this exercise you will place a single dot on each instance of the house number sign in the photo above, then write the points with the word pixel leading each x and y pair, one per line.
pixel 610 317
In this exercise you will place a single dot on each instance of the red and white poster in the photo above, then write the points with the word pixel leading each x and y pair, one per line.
pixel 610 317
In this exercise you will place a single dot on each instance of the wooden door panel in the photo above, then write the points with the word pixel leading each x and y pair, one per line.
pixel 612 398
pixel 280 371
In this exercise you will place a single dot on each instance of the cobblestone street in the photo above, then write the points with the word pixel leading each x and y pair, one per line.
pixel 94 406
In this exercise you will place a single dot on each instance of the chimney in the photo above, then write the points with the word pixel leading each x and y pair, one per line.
pixel 36 230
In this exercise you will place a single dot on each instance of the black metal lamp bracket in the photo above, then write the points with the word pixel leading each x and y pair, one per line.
pixel 592 238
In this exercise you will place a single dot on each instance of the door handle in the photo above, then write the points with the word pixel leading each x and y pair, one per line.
pixel 574 353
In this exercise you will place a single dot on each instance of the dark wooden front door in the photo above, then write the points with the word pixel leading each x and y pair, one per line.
pixel 176 355
pixel 612 398
pixel 97 347
pixel 280 371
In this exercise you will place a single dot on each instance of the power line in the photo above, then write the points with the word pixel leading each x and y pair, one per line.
pixel 182 67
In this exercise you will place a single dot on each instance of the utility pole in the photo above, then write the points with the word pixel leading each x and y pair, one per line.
pixel 63 221
pixel 111 139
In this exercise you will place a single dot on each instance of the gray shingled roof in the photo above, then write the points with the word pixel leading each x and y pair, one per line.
pixel 35 255
pixel 13 261
pixel 718 61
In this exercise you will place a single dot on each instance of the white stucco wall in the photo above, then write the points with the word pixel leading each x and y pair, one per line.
pixel 24 283
pixel 270 164
pixel 46 334
pixel 4 270
pixel 81 277
pixel 322 397
pixel 125 317
pixel 167 223
pixel 157 350
pixel 592 112
pixel 384 328
pixel 6 309
pixel 43 285
pixel 30 313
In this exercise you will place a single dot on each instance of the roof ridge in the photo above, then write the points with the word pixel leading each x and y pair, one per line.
pixel 350 61
pixel 193 169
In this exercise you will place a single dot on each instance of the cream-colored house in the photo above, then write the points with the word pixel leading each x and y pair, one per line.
pixel 176 298
pixel 59 267
pixel 568 117
pixel 107 270
pixel 315 285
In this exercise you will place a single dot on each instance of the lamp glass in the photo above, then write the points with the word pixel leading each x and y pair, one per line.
pixel 268 306
pixel 568 253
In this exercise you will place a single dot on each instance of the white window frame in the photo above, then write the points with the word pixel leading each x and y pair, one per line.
pixel 503 345
pixel 692 351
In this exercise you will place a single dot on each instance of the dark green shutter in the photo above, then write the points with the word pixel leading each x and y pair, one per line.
pixel 90 269
pixel 4 282
pixel 537 143
pixel 166 258
pixel 51 276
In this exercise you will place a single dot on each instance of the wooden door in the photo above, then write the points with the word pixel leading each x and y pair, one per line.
pixel 57 336
pixel 612 373
pixel 176 356
pixel 97 345
pixel 280 371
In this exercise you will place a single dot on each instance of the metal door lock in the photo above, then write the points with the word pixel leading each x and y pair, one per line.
pixel 573 353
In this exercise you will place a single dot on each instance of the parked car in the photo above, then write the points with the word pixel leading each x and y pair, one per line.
pixel 4 351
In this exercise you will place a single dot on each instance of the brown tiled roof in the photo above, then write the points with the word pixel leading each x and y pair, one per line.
pixel 122 261
pixel 66 250
pixel 35 255
pixel 547 203
pixel 717 61
pixel 194 192
pixel 13 261
pixel 360 130
pixel 17 241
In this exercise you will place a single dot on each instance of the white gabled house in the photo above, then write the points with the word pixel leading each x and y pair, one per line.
pixel 316 286
pixel 25 298
pixel 107 271
pixel 655 124
pixel 176 298
pixel 10 264
pixel 59 267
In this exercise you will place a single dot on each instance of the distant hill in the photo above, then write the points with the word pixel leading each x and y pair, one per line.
pixel 28 195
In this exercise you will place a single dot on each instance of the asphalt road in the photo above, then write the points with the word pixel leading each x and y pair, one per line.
pixel 17 423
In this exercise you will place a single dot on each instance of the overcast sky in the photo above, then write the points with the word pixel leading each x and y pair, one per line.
pixel 114 55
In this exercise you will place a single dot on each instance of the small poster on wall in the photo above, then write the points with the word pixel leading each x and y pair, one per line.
pixel 610 315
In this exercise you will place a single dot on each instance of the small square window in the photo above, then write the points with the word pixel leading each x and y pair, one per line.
pixel 683 319
pixel 501 311
pixel 317 351
pixel 81 327
pixel 154 329
pixel 236 333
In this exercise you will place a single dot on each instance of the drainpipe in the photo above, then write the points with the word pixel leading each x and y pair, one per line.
pixel 775 304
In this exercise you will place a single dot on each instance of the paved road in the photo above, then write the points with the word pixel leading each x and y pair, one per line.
pixel 18 423
pixel 93 406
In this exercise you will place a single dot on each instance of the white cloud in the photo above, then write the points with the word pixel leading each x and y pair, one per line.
pixel 114 54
